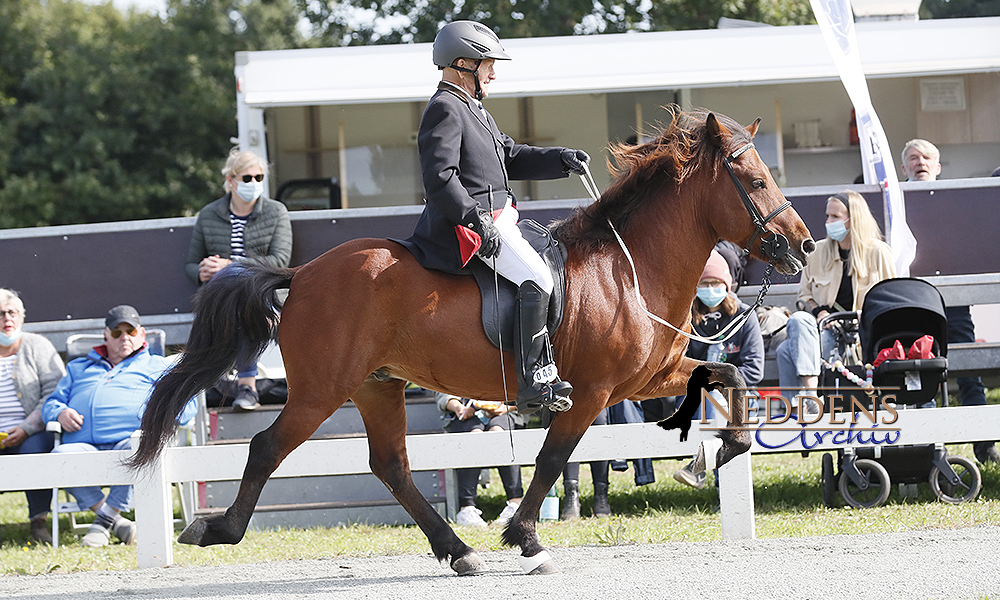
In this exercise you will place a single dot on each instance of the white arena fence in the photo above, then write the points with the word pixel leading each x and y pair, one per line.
pixel 154 507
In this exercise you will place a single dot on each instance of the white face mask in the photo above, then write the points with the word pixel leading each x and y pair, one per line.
pixel 250 191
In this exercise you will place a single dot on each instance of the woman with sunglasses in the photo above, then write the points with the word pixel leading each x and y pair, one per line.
pixel 243 224
pixel 30 368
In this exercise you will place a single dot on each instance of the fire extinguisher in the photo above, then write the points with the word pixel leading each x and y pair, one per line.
pixel 853 130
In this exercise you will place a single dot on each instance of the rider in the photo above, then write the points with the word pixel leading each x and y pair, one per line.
pixel 466 164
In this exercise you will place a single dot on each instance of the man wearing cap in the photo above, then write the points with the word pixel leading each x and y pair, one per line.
pixel 99 404
pixel 467 163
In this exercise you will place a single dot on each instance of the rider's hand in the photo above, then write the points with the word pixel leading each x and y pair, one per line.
pixel 574 160
pixel 489 235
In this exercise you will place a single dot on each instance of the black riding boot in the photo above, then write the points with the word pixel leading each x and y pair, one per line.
pixel 601 506
pixel 538 383
pixel 571 508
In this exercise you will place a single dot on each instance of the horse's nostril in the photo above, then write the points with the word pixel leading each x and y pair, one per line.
pixel 808 246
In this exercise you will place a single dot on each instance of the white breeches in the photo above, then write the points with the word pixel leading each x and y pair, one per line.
pixel 518 261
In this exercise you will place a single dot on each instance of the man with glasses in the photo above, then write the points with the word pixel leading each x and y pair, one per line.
pixel 99 404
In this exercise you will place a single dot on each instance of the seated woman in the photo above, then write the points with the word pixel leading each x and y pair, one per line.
pixel 30 369
pixel 714 308
pixel 845 265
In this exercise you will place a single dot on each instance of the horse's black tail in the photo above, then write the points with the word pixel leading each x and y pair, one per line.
pixel 234 320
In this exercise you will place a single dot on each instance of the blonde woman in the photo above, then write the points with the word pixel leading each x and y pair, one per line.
pixel 243 224
pixel 845 265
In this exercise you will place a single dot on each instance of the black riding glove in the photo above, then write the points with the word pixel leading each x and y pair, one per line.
pixel 574 160
pixel 489 234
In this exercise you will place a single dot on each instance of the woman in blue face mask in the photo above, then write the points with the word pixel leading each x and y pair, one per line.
pixel 713 309
pixel 840 272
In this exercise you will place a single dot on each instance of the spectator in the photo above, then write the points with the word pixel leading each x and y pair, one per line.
pixel 922 162
pixel 463 415
pixel 714 308
pixel 243 224
pixel 466 163
pixel 846 264
pixel 30 368
pixel 99 404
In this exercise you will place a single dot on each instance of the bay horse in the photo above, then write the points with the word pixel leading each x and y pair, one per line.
pixel 365 318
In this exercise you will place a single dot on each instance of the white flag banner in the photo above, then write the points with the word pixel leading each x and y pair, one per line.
pixel 836 21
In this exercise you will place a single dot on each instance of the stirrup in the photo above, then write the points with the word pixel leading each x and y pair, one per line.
pixel 556 396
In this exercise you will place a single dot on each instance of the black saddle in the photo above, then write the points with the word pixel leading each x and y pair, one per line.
pixel 498 316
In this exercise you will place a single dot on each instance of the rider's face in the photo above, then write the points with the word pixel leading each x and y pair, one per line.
pixel 486 74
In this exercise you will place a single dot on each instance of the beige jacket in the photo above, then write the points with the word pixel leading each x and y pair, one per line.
pixel 821 277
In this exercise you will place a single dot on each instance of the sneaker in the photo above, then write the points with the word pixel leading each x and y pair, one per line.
pixel 469 516
pixel 507 512
pixel 246 398
pixel 688 477
pixel 124 530
pixel 97 536
pixel 40 531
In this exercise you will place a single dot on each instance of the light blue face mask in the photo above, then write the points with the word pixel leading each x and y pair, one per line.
pixel 250 191
pixel 837 230
pixel 712 296
pixel 7 340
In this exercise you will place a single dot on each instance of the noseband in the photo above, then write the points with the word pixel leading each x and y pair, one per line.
pixel 773 245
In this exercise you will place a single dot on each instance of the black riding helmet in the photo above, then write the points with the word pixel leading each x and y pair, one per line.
pixel 467 39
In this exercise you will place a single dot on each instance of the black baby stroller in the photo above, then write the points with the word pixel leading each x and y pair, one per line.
pixel 902 310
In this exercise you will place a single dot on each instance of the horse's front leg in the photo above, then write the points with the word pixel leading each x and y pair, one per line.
pixel 383 408
pixel 564 434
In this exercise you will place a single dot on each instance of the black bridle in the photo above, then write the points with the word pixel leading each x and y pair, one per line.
pixel 773 245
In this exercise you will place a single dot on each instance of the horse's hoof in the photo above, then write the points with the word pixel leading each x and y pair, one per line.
pixel 470 564
pixel 539 564
pixel 194 533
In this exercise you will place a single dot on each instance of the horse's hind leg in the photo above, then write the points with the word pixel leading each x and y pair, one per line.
pixel 382 406
pixel 297 421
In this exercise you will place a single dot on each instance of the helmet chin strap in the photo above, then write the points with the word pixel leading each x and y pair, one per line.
pixel 475 77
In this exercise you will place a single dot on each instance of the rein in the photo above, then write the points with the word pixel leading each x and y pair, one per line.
pixel 736 324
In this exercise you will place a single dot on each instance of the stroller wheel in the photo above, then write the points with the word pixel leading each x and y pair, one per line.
pixel 828 481
pixel 875 487
pixel 970 481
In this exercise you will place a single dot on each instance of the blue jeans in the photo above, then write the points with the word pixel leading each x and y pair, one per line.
pixel 119 497
pixel 799 355
pixel 40 443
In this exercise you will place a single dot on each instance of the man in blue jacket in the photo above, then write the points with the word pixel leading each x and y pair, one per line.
pixel 99 404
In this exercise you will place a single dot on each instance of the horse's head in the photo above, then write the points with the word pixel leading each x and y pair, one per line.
pixel 755 214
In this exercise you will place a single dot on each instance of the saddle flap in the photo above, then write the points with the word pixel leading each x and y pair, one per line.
pixel 499 303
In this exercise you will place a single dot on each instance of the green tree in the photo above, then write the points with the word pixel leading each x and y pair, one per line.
pixel 946 9
pixel 108 117
pixel 358 22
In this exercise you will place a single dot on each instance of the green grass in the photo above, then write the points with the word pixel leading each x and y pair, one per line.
pixel 786 490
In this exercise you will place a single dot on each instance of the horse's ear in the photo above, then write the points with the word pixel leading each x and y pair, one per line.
pixel 752 127
pixel 717 132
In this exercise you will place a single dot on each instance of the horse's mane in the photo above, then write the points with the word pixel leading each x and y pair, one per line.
pixel 640 172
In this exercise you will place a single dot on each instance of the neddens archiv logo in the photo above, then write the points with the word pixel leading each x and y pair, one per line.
pixel 780 422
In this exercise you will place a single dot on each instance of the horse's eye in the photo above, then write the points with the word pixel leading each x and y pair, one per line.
pixel 759 184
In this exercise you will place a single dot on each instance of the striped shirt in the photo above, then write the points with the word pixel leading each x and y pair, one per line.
pixel 11 411
pixel 239 224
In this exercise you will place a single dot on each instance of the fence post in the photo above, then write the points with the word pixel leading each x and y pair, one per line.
pixel 154 515
pixel 736 499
